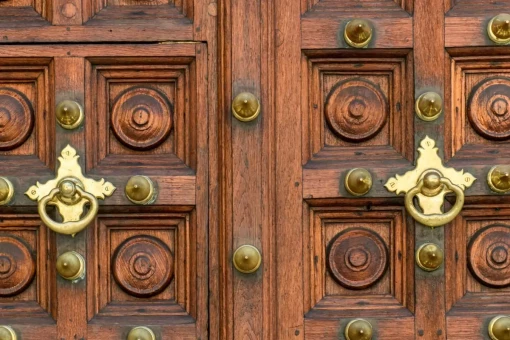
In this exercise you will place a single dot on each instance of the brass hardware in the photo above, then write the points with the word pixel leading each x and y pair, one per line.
pixel 499 29
pixel 498 178
pixel 245 107
pixel 140 190
pixel 499 328
pixel 69 192
pixel 7 333
pixel 429 106
pixel 69 114
pixel 141 333
pixel 6 191
pixel 71 266
pixel 358 329
pixel 358 33
pixel 430 181
pixel 247 259
pixel 429 257
pixel 358 182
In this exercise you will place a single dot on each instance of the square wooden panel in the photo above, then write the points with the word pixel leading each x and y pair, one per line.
pixel 19 13
pixel 142 112
pixel 142 264
pixel 26 125
pixel 478 261
pixel 26 255
pixel 357 254
pixel 478 123
pixel 356 102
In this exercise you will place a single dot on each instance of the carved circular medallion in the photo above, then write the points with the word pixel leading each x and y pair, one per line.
pixel 357 258
pixel 488 108
pixel 16 118
pixel 143 266
pixel 17 267
pixel 141 117
pixel 356 110
pixel 489 255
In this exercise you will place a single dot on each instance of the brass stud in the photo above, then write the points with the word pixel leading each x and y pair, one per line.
pixel 141 333
pixel 245 107
pixel 140 190
pixel 358 329
pixel 7 333
pixel 247 259
pixel 71 266
pixel 6 191
pixel 429 106
pixel 499 29
pixel 358 181
pixel 69 114
pixel 358 33
pixel 499 328
pixel 498 178
pixel 429 257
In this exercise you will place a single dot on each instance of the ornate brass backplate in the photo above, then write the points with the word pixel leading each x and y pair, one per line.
pixel 69 192
pixel 430 181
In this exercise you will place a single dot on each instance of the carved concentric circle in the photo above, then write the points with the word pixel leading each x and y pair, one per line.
pixel 141 117
pixel 143 266
pixel 16 118
pixel 17 267
pixel 489 255
pixel 488 108
pixel 356 110
pixel 357 258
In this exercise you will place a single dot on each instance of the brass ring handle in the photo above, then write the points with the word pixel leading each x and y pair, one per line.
pixel 71 227
pixel 435 220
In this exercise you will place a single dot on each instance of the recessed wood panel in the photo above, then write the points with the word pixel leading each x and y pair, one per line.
pixel 143 264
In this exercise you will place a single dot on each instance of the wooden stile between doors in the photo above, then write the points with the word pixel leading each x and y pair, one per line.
pixel 254 169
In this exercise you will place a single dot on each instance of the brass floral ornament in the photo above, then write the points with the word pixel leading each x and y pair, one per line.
pixel 69 192
pixel 430 181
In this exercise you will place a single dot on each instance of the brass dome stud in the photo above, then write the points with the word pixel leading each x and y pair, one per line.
pixel 429 106
pixel 7 333
pixel 358 33
pixel 358 329
pixel 71 266
pixel 358 181
pixel 247 259
pixel 245 107
pixel 429 257
pixel 498 178
pixel 140 190
pixel 6 191
pixel 69 114
pixel 141 333
pixel 499 328
pixel 499 29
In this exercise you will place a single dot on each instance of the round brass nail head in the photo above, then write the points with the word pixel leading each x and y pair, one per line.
pixel 358 329
pixel 141 333
pixel 6 191
pixel 429 106
pixel 245 107
pixel 358 181
pixel 247 259
pixel 140 190
pixel 498 178
pixel 69 114
pixel 499 328
pixel 358 33
pixel 7 333
pixel 499 29
pixel 71 266
pixel 429 257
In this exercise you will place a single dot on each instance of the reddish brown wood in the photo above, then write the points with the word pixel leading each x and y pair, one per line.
pixel 16 118
pixel 17 267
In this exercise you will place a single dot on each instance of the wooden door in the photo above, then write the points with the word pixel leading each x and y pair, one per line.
pixel 147 106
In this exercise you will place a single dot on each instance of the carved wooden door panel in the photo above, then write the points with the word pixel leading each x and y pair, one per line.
pixel 123 128
pixel 393 88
